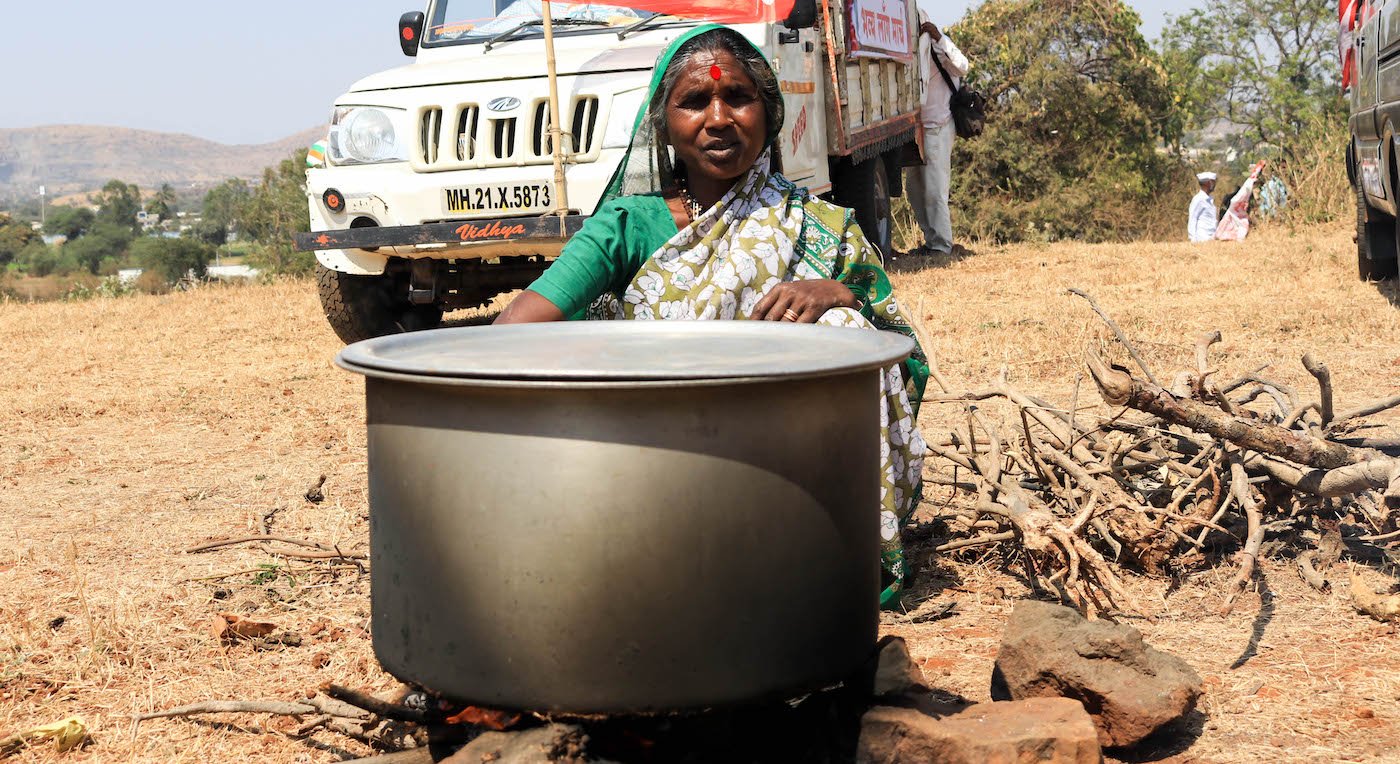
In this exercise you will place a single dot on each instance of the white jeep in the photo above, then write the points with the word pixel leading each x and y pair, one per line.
pixel 437 188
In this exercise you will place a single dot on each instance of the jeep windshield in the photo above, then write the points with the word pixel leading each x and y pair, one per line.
pixel 458 22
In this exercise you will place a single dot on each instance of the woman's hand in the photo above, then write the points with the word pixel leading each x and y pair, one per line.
pixel 803 301
pixel 529 308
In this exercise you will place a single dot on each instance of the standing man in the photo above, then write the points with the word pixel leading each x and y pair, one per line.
pixel 1200 225
pixel 928 185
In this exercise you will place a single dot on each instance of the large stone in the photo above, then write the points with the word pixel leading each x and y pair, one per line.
pixel 1129 688
pixel 896 673
pixel 1041 730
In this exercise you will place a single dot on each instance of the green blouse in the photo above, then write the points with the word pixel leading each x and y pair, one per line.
pixel 607 252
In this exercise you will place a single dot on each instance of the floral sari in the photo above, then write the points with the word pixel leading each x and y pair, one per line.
pixel 763 232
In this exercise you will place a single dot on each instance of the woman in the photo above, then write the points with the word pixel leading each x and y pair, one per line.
pixel 696 224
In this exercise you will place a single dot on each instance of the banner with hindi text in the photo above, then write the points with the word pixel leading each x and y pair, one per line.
pixel 880 29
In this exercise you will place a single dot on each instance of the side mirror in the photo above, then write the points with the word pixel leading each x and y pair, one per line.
pixel 803 16
pixel 410 29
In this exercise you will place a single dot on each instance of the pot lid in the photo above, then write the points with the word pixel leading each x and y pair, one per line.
pixel 620 351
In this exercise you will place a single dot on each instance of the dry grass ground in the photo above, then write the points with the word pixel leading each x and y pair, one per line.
pixel 137 427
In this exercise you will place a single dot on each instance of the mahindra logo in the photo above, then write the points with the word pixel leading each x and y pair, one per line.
pixel 507 103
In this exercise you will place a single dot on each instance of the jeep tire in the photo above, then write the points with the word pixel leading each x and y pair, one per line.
pixel 361 307
pixel 1376 257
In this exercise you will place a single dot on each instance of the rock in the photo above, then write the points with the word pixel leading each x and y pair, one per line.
pixel 551 743
pixel 1129 688
pixel 899 681
pixel 896 673
pixel 1042 730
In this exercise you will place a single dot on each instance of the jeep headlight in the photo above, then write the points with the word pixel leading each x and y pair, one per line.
pixel 622 117
pixel 367 135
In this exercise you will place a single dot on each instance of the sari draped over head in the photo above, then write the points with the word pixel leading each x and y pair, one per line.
pixel 1234 224
pixel 765 231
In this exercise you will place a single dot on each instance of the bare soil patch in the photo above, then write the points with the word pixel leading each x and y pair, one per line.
pixel 138 427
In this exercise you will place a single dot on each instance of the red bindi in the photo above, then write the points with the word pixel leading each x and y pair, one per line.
pixel 715 72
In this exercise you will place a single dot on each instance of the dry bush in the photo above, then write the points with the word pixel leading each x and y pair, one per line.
pixel 1316 177
pixel 150 282
pixel 44 288
pixel 904 228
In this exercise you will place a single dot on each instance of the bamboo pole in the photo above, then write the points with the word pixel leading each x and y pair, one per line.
pixel 830 34
pixel 561 197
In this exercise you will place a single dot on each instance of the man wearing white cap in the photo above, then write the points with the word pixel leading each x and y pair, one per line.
pixel 928 184
pixel 1201 224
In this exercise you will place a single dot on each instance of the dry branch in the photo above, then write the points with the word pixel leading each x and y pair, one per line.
pixel 317 705
pixel 1310 573
pixel 1117 332
pixel 1175 479
pixel 1119 388
pixel 1382 607
pixel 275 707
pixel 1374 407
pixel 1244 494
pixel 1324 384
pixel 326 551
pixel 372 704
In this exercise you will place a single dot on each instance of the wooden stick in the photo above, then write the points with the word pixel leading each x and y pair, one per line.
pixel 1374 407
pixel 1324 386
pixel 318 555
pixel 246 539
pixel 323 706
pixel 311 724
pixel 1203 344
pixel 1118 332
pixel 561 189
pixel 990 538
pixel 1239 485
pixel 372 704
pixel 328 552
pixel 1310 573
pixel 1378 606
pixel 1242 381
pixel 1120 388
pixel 1374 474
pixel 277 707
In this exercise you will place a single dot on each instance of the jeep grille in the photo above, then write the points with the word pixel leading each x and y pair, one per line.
pixel 473 140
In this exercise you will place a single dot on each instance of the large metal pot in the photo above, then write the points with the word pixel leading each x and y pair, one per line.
pixel 624 516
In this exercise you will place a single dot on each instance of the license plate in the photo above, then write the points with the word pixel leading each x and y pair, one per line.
pixel 500 198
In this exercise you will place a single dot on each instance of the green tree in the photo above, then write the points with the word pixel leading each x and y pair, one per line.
pixel 14 236
pixel 105 241
pixel 69 222
pixel 1078 105
pixel 173 259
pixel 162 204
pixel 275 211
pixel 221 209
pixel 1268 66
pixel 119 204
pixel 39 259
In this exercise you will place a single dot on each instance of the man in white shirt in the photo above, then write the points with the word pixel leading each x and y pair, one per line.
pixel 928 185
pixel 1200 224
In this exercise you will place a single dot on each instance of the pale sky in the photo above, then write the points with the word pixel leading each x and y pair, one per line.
pixel 233 71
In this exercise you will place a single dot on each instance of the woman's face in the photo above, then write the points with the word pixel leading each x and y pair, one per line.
pixel 715 118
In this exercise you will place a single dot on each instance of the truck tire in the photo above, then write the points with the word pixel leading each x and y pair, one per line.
pixel 864 188
pixel 361 307
pixel 1376 256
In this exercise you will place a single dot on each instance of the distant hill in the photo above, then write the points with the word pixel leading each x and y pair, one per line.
pixel 70 159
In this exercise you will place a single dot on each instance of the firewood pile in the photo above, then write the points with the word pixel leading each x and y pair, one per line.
pixel 1190 467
